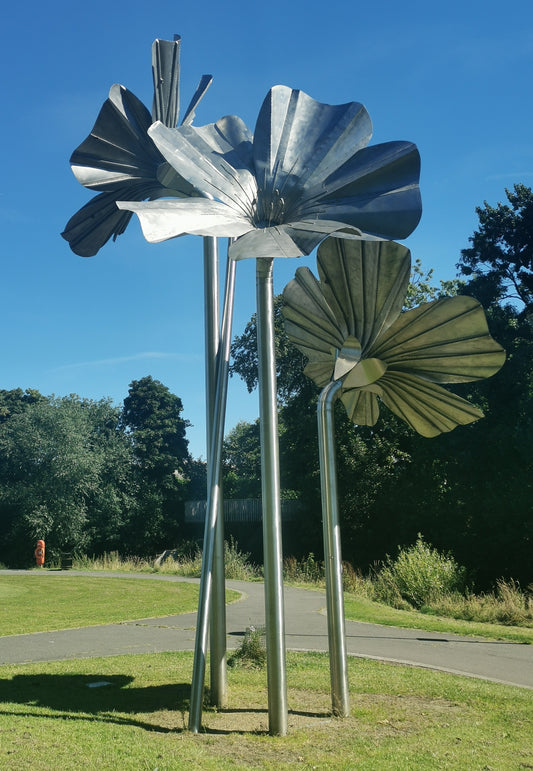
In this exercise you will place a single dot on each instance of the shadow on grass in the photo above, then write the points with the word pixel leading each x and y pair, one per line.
pixel 112 699
pixel 96 697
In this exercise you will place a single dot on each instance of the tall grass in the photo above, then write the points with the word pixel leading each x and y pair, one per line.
pixel 185 561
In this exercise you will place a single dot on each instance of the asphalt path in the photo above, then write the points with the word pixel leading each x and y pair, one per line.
pixel 305 627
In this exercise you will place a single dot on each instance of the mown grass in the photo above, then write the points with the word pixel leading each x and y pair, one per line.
pixel 41 601
pixel 357 608
pixel 401 718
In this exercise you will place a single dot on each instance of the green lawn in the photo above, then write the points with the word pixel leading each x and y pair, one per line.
pixel 45 601
pixel 362 609
pixel 402 719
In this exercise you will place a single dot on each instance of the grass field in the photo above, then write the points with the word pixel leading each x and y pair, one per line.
pixel 40 601
pixel 361 609
pixel 131 712
pixel 402 719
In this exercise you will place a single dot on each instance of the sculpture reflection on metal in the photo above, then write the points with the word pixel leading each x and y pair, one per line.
pixel 304 174
pixel 119 159
pixel 362 348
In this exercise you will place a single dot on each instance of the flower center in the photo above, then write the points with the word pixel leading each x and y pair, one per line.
pixel 269 209
pixel 365 372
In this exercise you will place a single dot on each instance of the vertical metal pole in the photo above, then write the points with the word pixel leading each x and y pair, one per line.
pixel 270 487
pixel 217 632
pixel 213 503
pixel 340 697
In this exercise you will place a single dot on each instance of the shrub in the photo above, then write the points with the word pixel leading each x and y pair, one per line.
pixel 419 575
pixel 251 653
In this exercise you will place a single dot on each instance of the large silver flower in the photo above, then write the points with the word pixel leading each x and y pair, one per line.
pixel 305 173
pixel 119 159
pixel 350 326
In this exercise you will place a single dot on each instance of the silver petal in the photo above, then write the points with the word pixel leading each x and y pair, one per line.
pixel 445 341
pixel 299 142
pixel 215 159
pixel 309 320
pixel 426 407
pixel 364 283
pixel 166 77
pixel 164 219
pixel 118 148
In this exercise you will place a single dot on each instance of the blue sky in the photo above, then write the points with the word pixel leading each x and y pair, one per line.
pixel 455 78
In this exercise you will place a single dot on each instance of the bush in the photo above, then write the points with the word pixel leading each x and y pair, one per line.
pixel 251 653
pixel 419 575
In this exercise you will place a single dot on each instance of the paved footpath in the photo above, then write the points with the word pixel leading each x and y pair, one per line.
pixel 305 626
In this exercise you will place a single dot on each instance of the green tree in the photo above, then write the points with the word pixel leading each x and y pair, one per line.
pixel 499 262
pixel 152 417
pixel 59 462
pixel 15 401
pixel 242 461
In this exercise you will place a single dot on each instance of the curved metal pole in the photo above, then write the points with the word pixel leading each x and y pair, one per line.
pixel 270 488
pixel 340 697
pixel 213 502
pixel 217 631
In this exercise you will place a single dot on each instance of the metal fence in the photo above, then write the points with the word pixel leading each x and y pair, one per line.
pixel 239 510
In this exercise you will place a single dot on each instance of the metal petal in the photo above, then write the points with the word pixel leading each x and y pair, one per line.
pixel 94 224
pixel 309 321
pixel 294 239
pixel 299 142
pixel 164 219
pixel 426 407
pixel 362 406
pixel 215 159
pixel 197 97
pixel 320 371
pixel 118 148
pixel 376 190
pixel 364 283
pixel 445 341
pixel 166 76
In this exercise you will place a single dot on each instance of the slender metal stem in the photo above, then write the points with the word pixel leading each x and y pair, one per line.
pixel 270 486
pixel 213 503
pixel 340 697
pixel 217 631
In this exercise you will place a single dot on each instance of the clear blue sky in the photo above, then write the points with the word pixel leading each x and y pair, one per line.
pixel 455 78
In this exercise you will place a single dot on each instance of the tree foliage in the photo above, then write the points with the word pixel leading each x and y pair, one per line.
pixel 89 476
pixel 499 262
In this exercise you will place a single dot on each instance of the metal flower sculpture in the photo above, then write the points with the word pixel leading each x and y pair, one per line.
pixel 305 173
pixel 362 348
pixel 119 159
pixel 350 326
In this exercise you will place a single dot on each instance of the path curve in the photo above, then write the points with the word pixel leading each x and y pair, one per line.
pixel 306 630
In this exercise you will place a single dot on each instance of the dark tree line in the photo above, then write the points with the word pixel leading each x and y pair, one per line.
pixel 470 491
